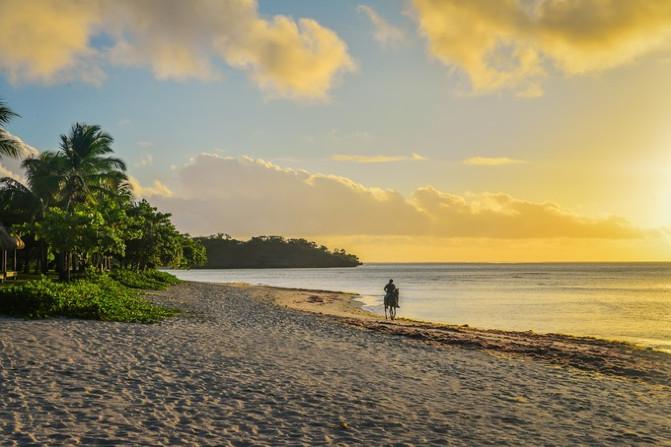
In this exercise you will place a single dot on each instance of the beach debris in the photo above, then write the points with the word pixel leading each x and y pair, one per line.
pixel 315 299
pixel 343 424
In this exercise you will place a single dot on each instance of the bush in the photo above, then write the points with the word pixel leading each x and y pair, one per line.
pixel 147 279
pixel 100 298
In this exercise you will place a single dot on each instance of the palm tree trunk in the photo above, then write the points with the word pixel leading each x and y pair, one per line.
pixel 44 258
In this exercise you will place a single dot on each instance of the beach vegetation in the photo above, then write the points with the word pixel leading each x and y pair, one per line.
pixel 144 279
pixel 76 212
pixel 93 298
pixel 94 245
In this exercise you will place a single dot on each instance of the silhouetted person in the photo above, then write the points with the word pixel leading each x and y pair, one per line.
pixel 395 294
pixel 390 290
pixel 390 287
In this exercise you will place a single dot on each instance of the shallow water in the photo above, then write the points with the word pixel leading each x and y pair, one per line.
pixel 619 301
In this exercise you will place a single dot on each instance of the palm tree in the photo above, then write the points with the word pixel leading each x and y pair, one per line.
pixel 88 169
pixel 8 146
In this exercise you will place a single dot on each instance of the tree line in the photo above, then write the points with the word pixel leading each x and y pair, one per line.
pixel 271 252
pixel 76 211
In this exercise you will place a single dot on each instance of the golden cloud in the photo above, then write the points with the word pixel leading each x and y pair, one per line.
pixel 492 161
pixel 505 43
pixel 50 41
pixel 447 249
pixel 377 158
pixel 157 189
pixel 250 196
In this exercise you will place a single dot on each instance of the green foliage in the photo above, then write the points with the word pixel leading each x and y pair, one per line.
pixel 8 146
pixel 76 207
pixel 272 251
pixel 99 298
pixel 87 169
pixel 147 279
pixel 193 253
pixel 154 242
pixel 81 229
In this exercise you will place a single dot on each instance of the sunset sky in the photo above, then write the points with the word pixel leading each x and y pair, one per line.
pixel 418 130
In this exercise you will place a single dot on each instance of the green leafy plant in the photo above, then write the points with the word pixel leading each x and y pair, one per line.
pixel 146 279
pixel 96 298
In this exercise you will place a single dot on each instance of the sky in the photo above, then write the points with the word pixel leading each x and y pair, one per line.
pixel 400 130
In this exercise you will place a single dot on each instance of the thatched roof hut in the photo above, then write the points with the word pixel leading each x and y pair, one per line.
pixel 8 242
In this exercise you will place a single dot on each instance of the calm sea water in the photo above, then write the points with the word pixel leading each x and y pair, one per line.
pixel 629 302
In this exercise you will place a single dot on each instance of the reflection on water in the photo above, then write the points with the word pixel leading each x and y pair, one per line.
pixel 630 302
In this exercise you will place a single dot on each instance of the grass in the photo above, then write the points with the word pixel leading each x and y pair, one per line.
pixel 147 279
pixel 96 298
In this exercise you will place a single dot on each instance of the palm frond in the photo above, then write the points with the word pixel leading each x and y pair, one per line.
pixel 6 114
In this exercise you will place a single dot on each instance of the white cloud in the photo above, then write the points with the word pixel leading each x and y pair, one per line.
pixel 26 149
pixel 377 158
pixel 492 161
pixel 50 41
pixel 146 160
pixel 6 172
pixel 385 32
pixel 11 167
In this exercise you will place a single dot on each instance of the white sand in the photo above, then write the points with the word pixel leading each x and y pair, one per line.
pixel 242 371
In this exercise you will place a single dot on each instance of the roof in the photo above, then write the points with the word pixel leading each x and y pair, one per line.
pixel 9 242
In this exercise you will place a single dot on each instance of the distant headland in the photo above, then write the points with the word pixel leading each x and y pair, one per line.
pixel 224 252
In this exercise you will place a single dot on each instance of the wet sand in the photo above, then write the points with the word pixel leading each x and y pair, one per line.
pixel 240 366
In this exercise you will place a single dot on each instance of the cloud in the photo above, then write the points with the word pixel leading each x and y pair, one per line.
pixel 11 167
pixel 48 41
pixel 6 172
pixel 157 189
pixel 246 196
pixel 146 160
pixel 511 43
pixel 51 41
pixel 446 249
pixel 288 58
pixel 499 215
pixel 385 32
pixel 377 158
pixel 492 161
pixel 25 149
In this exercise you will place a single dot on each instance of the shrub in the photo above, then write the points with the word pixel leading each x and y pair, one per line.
pixel 148 279
pixel 98 298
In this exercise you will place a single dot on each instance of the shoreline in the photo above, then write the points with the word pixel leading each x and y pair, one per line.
pixel 611 357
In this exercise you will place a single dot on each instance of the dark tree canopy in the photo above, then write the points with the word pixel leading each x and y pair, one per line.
pixel 271 252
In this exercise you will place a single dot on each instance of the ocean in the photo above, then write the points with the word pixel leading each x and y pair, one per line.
pixel 616 301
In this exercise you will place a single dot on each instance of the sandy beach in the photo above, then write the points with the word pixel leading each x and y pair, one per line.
pixel 247 365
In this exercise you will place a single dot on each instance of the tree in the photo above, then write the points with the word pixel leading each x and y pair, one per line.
pixel 18 205
pixel 271 251
pixel 9 146
pixel 154 240
pixel 193 253
pixel 74 233
pixel 87 169
pixel 76 204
